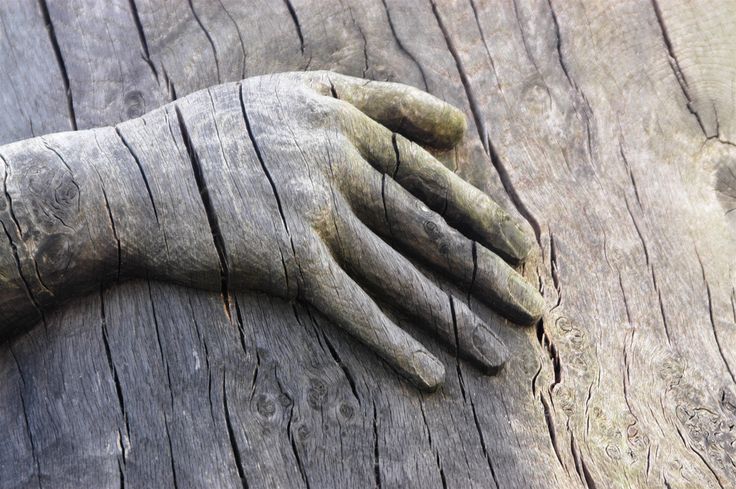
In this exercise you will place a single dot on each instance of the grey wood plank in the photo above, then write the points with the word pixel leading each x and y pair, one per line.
pixel 574 111
pixel 28 57
pixel 110 74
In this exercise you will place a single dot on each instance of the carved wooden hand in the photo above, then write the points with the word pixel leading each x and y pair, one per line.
pixel 291 184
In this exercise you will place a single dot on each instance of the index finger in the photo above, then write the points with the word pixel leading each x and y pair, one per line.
pixel 414 113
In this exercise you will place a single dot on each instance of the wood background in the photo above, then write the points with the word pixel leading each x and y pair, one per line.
pixel 608 126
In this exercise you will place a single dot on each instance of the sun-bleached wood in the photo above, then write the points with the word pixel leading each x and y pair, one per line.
pixel 594 120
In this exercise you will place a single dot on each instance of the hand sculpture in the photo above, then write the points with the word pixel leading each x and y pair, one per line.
pixel 291 184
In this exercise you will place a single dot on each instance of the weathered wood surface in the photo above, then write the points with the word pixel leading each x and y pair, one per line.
pixel 607 126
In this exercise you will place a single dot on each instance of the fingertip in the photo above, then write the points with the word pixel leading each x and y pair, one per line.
pixel 512 242
pixel 502 287
pixel 537 308
pixel 457 124
pixel 521 244
pixel 426 371
pixel 491 352
pixel 429 120
pixel 529 303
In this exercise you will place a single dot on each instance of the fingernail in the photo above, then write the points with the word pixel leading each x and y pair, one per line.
pixel 528 301
pixel 490 348
pixel 456 125
pixel 428 372
pixel 517 243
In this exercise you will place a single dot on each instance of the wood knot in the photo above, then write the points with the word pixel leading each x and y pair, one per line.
pixel 265 406
pixel 303 432
pixel 347 411
pixel 316 393
pixel 134 103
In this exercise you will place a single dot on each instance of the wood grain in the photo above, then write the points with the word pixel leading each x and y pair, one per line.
pixel 594 121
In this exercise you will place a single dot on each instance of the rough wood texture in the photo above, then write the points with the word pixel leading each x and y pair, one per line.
pixel 607 126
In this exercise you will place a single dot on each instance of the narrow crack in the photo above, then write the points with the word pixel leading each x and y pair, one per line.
pixel 485 44
pixel 661 307
pixel 209 382
pixel 376 453
pixel 112 225
pixel 209 39
pixel 627 371
pixel 60 61
pixel 157 330
pixel 210 212
pixel 38 276
pixel 441 471
pixel 142 38
pixel 109 209
pixel 525 41
pixel 231 437
pixel 638 230
pixel 16 254
pixel 113 370
pixel 289 432
pixel 558 46
pixel 554 267
pixel 271 181
pixel 534 379
pixel 626 301
pixel 475 109
pixel 586 410
pixel 589 481
pixel 121 474
pixel 257 149
pixel 587 116
pixel 675 66
pixel 457 347
pixel 333 90
pixel 551 429
pixel 254 378
pixel 365 41
pixel 402 48
pixel 443 479
pixel 171 452
pixel 630 172
pixel 397 154
pixel 240 38
pixel 483 443
pixel 343 367
pixel 140 169
pixel 9 198
pixel 18 263
pixel 551 349
pixel 580 466
pixel 169 83
pixel 474 257
pixel 712 320
pixel 426 424
pixel 297 26
pixel 34 452
pixel 241 326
